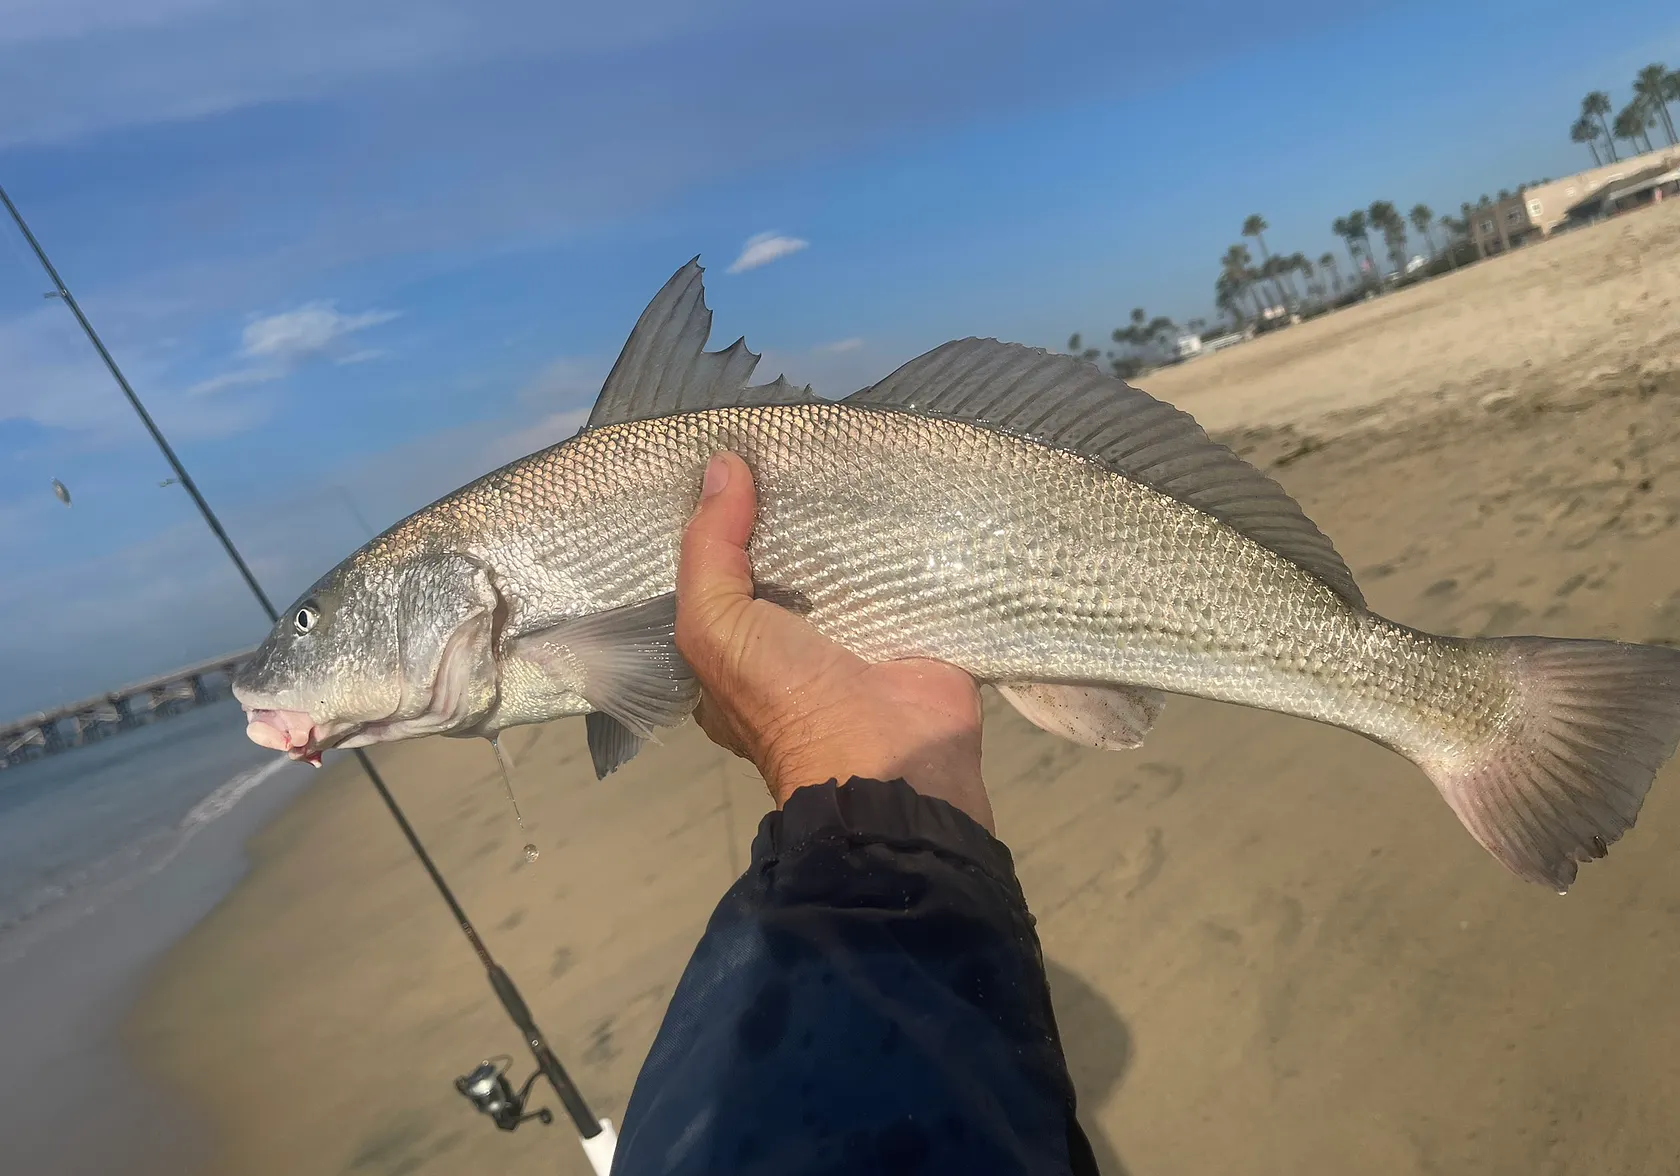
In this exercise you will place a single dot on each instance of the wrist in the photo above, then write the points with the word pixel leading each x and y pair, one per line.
pixel 955 779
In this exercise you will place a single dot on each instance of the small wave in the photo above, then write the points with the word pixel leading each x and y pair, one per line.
pixel 218 805
pixel 122 870
pixel 220 802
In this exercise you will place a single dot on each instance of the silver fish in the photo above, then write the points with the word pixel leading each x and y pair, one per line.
pixel 1076 543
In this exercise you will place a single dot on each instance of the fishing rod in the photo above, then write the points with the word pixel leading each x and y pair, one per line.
pixel 486 1087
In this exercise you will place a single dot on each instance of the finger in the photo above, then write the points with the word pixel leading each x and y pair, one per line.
pixel 714 575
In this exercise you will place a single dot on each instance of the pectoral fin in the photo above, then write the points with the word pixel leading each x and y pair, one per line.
pixel 625 664
pixel 1114 718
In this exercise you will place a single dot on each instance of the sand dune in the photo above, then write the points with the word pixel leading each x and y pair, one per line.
pixel 1273 947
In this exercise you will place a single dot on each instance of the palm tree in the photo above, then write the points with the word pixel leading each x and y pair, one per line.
pixel 1586 131
pixel 1237 267
pixel 1298 264
pixel 1142 330
pixel 1597 105
pixel 1255 226
pixel 1327 261
pixel 1631 124
pixel 1078 350
pixel 1278 269
pixel 1466 214
pixel 1358 227
pixel 1650 90
pixel 1225 298
pixel 1386 219
pixel 1455 231
pixel 1423 220
pixel 1344 230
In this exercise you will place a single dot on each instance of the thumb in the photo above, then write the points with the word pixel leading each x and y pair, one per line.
pixel 714 575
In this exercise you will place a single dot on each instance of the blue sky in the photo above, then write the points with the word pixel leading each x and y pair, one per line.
pixel 355 254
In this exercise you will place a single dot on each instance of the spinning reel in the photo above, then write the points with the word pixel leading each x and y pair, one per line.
pixel 488 1089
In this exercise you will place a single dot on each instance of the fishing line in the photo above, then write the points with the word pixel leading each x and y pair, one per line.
pixel 486 1087
pixel 507 783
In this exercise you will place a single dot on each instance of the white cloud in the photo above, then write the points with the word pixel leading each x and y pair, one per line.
pixel 238 379
pixel 287 339
pixel 764 248
pixel 838 346
pixel 49 376
pixel 312 329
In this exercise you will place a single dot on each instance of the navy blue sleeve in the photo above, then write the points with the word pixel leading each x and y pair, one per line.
pixel 870 996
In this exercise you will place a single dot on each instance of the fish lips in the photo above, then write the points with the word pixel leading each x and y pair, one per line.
pixel 290 731
pixel 303 739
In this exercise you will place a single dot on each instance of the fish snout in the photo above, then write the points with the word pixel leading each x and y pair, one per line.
pixel 292 732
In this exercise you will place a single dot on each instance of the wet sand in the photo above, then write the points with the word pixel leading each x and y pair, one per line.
pixel 1273 947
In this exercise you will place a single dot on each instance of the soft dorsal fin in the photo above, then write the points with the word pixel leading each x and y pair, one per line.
pixel 1069 404
pixel 665 368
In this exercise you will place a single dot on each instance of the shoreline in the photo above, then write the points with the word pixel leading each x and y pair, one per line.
pixel 72 1099
pixel 452 793
pixel 1249 922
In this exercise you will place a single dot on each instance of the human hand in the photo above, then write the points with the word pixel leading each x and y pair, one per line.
pixel 802 708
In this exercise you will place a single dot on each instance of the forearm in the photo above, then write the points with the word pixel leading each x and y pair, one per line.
pixel 872 982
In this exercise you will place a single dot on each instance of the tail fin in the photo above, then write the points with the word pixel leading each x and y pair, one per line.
pixel 1596 720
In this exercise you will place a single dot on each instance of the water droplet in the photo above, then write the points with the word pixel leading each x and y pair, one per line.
pixel 530 852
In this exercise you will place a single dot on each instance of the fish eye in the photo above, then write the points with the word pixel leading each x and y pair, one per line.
pixel 304 619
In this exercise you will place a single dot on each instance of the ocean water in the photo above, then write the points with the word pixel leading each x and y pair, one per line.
pixel 109 853
pixel 82 827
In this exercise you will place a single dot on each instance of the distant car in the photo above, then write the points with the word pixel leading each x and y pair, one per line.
pixel 1416 263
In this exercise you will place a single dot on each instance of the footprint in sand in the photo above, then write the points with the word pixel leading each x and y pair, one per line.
pixel 1494 618
pixel 1569 586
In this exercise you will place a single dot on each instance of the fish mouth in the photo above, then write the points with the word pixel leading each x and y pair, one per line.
pixel 450 703
pixel 290 731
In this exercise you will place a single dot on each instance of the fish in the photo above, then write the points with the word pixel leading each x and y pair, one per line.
pixel 1077 544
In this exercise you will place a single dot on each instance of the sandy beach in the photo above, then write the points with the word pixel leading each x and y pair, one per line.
pixel 1273 948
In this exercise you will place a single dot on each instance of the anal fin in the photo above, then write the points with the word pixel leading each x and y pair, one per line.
pixel 1114 718
pixel 611 743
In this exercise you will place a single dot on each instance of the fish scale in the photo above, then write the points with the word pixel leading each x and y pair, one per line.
pixel 1020 515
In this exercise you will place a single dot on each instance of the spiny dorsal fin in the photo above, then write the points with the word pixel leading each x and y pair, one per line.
pixel 1067 403
pixel 665 368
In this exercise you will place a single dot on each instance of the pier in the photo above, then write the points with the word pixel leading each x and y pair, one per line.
pixel 48 732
